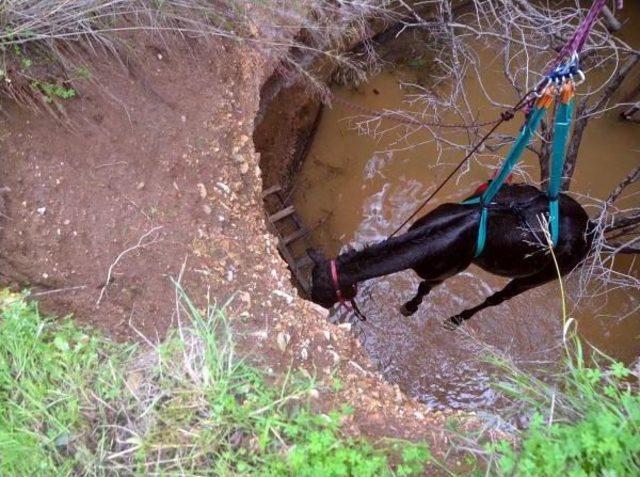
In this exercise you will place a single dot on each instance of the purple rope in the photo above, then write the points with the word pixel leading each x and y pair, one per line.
pixel 580 36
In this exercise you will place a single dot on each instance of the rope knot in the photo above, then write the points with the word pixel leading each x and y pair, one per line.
pixel 507 115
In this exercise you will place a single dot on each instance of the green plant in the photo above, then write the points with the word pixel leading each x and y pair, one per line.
pixel 586 423
pixel 247 426
pixel 53 91
pixel 44 370
pixel 75 404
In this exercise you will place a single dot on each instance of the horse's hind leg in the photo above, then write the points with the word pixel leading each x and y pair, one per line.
pixel 410 307
pixel 513 288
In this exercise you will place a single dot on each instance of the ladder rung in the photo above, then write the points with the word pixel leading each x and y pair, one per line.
pixel 298 234
pixel 282 214
pixel 271 190
pixel 304 262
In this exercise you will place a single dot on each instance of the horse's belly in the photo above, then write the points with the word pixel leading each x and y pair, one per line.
pixel 515 269
pixel 512 251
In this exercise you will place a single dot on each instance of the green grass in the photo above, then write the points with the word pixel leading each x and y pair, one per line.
pixel 584 421
pixel 44 371
pixel 72 403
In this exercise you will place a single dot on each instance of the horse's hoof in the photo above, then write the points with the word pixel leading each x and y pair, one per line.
pixel 404 311
pixel 452 324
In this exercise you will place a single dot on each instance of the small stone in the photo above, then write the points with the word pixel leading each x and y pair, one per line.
pixel 283 340
pixel 140 186
pixel 335 356
pixel 288 298
pixel 399 396
pixel 159 56
pixel 245 297
pixel 345 326
pixel 41 210
pixel 66 222
pixel 224 187
pixel 314 394
pixel 206 209
pixel 244 168
pixel 202 190
pixel 229 275
pixel 45 275
pixel 183 118
pixel 327 335
pixel 304 354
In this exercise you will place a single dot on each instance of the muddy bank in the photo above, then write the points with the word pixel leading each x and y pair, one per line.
pixel 160 181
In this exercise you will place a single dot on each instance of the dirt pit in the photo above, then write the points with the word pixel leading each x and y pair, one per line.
pixel 359 179
pixel 157 181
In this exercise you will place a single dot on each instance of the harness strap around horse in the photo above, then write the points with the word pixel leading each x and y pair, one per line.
pixel 562 124
pixel 535 117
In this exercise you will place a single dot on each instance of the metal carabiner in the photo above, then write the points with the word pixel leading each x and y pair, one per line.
pixel 541 87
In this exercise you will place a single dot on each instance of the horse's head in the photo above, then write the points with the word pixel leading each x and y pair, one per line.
pixel 323 286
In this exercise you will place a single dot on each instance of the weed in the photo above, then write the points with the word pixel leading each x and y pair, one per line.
pixel 44 370
pixel 72 403
pixel 587 424
pixel 53 91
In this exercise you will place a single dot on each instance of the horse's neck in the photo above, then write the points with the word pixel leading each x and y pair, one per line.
pixel 389 256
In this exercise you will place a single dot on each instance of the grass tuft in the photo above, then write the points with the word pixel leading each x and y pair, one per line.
pixel 75 404
pixel 43 44
pixel 45 367
pixel 584 421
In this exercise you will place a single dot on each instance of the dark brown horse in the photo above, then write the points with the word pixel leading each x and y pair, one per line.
pixel 442 244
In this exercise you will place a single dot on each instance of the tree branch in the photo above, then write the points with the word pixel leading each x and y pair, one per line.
pixel 583 114
pixel 632 177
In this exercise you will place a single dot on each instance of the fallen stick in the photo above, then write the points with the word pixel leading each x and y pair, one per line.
pixel 138 245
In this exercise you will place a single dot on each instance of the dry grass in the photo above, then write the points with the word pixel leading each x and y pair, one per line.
pixel 47 46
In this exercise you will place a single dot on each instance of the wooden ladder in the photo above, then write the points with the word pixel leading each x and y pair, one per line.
pixel 280 214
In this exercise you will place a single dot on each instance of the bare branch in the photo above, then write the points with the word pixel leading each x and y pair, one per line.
pixel 584 112
pixel 632 177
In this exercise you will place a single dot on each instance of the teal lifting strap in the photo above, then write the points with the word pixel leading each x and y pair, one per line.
pixel 511 160
pixel 558 149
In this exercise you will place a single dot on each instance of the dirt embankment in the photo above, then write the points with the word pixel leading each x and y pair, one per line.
pixel 157 180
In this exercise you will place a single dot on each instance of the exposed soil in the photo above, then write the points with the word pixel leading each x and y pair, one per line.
pixel 162 155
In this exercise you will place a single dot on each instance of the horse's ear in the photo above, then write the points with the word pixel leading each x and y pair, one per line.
pixel 315 256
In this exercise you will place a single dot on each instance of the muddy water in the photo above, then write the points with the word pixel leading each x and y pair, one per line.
pixel 359 187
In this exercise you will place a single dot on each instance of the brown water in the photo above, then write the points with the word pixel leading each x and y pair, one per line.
pixel 363 186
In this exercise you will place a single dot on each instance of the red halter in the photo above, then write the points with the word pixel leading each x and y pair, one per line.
pixel 348 304
pixel 336 283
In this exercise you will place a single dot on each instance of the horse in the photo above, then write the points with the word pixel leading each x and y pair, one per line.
pixel 442 243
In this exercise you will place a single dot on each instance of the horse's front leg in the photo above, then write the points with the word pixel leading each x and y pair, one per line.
pixel 513 288
pixel 410 307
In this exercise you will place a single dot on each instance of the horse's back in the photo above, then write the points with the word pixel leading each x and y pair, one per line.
pixel 517 231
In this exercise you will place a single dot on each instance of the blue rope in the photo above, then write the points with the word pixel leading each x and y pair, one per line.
pixel 509 163
pixel 558 150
